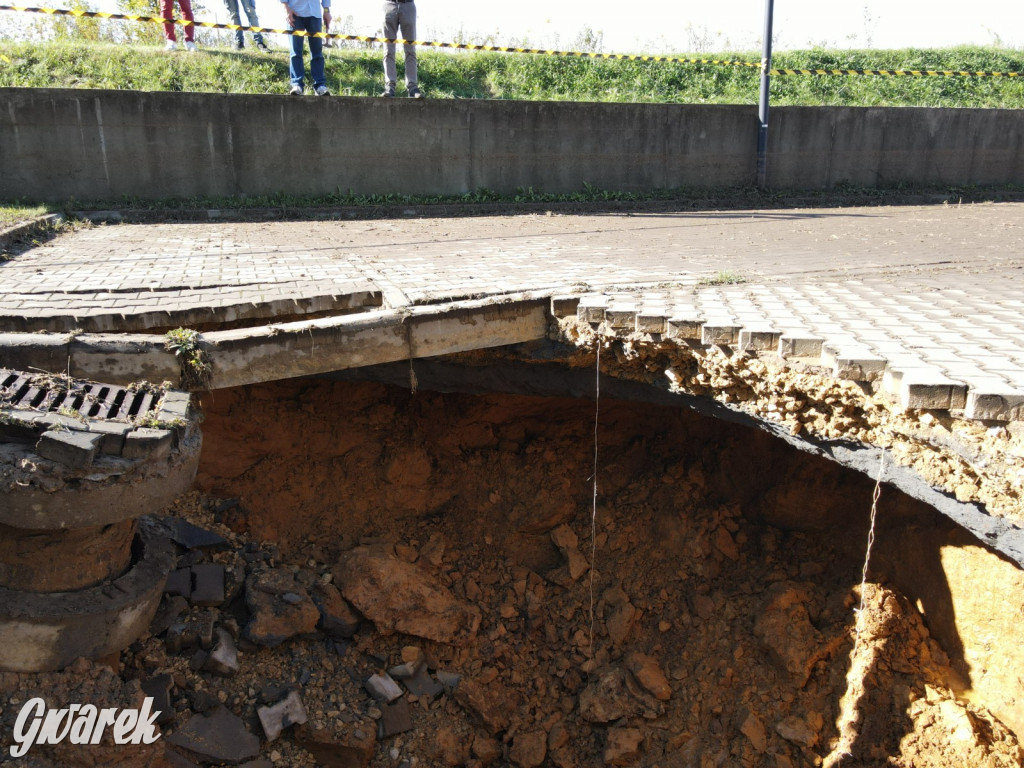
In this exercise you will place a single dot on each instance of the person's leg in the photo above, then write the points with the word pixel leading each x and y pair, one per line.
pixel 250 13
pixel 391 33
pixel 316 53
pixel 408 24
pixel 232 8
pixel 167 12
pixel 296 69
pixel 186 12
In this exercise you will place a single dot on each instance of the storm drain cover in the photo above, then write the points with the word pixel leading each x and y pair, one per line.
pixel 49 393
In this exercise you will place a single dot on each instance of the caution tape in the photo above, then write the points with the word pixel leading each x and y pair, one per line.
pixel 895 72
pixel 508 49
pixel 366 39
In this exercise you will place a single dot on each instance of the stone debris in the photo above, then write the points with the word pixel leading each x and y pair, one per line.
pixel 785 628
pixel 401 597
pixel 275 619
pixel 567 542
pixel 344 746
pixel 383 688
pixel 220 737
pixel 395 719
pixel 648 673
pixel 623 746
pixel 529 749
pixel 619 616
pixel 337 617
pixel 489 704
pixel 284 714
pixel 223 659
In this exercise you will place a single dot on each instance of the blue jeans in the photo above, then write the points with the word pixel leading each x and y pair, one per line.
pixel 249 6
pixel 312 25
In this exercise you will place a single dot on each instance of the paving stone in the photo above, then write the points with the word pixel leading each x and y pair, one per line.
pixel 719 334
pixel 72 449
pixel 192 536
pixel 148 443
pixel 208 584
pixel 179 582
pixel 113 432
pixel 159 688
pixel 286 713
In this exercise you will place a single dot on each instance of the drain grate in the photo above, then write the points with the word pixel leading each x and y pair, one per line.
pixel 55 393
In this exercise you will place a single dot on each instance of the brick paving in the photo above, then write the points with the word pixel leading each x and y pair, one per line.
pixel 928 300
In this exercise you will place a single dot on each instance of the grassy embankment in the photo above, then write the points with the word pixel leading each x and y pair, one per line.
pixel 480 75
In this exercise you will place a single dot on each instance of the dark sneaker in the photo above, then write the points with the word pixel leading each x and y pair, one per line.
pixel 388 92
pixel 296 90
pixel 261 46
pixel 415 93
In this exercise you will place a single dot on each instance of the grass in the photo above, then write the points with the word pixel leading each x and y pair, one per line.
pixel 357 72
pixel 12 214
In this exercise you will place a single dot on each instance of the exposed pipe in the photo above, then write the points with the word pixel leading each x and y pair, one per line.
pixel 762 108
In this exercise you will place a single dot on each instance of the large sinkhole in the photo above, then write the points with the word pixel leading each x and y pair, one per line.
pixel 698 608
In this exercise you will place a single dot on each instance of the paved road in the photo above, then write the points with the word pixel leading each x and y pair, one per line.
pixel 929 293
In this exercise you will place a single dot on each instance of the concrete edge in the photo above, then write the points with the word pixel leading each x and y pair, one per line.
pixel 47 631
pixel 28 228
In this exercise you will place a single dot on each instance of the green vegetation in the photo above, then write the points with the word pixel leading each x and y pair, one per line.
pixel 13 213
pixel 67 63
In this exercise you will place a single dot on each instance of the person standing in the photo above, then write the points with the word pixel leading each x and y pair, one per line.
pixel 167 12
pixel 400 17
pixel 309 16
pixel 249 6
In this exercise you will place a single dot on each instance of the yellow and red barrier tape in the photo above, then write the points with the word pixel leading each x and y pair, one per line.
pixel 366 39
pixel 507 49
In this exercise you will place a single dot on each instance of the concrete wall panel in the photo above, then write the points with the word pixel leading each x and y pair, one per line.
pixel 60 144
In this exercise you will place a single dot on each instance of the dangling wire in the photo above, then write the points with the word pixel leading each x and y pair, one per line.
pixel 593 511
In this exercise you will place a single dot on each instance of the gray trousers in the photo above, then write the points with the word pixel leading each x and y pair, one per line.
pixel 400 18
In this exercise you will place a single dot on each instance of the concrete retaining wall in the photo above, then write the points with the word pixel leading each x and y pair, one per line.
pixel 57 144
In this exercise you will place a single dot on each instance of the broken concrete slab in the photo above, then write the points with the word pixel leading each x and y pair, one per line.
pixel 207 584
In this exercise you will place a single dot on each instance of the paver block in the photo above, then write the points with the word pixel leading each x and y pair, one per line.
pixel 287 712
pixel 208 580
pixel 72 449
pixel 758 339
pixel 684 327
pixel 651 321
pixel 931 393
pixel 591 309
pixel 719 334
pixel 148 443
pixel 989 404
pixel 113 435
pixel 564 306
pixel 622 318
pixel 174 405
pixel 800 346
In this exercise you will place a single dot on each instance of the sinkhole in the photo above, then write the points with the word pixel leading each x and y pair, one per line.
pixel 655 582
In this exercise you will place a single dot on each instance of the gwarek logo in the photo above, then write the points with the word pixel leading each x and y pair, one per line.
pixel 81 724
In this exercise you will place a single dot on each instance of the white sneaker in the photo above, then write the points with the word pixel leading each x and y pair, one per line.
pixel 296 90
pixel 171 46
pixel 322 91
pixel 190 46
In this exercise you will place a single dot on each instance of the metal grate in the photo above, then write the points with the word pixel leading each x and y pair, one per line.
pixel 40 392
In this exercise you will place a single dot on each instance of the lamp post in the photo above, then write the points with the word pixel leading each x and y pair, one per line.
pixel 762 107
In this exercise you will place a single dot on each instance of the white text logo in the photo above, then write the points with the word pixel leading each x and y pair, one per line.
pixel 81 724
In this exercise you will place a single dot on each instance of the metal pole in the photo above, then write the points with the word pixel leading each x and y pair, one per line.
pixel 762 108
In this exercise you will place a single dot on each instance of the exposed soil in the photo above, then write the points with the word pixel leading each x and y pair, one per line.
pixel 715 628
